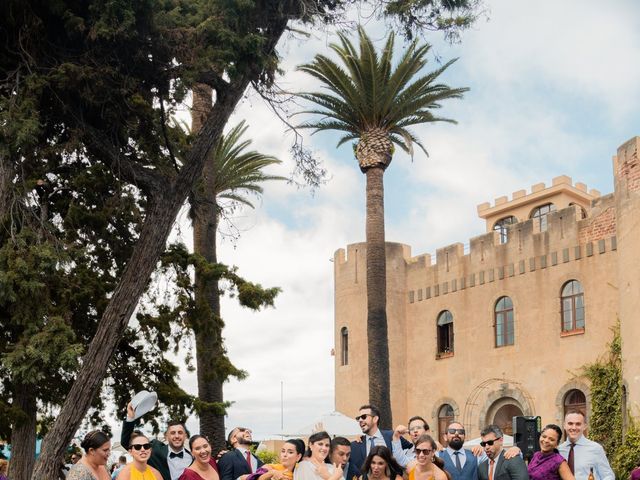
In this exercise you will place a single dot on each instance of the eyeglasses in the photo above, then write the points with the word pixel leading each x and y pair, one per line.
pixel 459 431
pixel 489 442
pixel 415 429
pixel 141 446
pixel 423 451
pixel 363 416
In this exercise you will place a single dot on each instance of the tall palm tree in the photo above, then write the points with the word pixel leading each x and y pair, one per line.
pixel 373 102
pixel 233 174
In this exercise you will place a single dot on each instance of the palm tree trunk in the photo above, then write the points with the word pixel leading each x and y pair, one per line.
pixel 377 339
pixel 208 324
pixel 23 435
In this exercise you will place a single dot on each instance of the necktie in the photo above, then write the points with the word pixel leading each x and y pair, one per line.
pixel 458 464
pixel 491 464
pixel 248 455
pixel 174 454
pixel 372 443
pixel 571 458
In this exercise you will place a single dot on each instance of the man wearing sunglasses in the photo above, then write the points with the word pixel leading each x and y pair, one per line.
pixel 459 462
pixel 368 418
pixel 496 466
pixel 417 427
pixel 170 458
pixel 239 462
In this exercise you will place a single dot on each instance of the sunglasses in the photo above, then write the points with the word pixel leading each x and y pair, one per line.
pixel 363 416
pixel 459 431
pixel 489 442
pixel 423 451
pixel 141 446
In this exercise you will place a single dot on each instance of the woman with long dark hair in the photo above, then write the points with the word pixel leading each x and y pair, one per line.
pixel 204 467
pixel 380 465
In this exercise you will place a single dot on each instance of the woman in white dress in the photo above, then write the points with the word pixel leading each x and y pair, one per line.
pixel 315 465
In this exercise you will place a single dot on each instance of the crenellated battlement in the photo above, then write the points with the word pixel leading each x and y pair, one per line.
pixel 568 237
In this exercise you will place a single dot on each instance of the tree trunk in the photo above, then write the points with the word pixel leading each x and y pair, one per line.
pixel 23 435
pixel 6 178
pixel 160 216
pixel 208 324
pixel 377 340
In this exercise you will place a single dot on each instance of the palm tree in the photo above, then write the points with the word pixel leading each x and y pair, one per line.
pixel 232 173
pixel 374 103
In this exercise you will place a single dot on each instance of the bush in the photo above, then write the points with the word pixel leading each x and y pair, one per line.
pixel 267 457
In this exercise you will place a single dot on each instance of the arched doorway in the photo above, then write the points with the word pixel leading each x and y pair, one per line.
pixel 446 415
pixel 502 412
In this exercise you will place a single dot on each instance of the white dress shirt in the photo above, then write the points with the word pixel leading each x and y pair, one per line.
pixel 177 464
pixel 587 454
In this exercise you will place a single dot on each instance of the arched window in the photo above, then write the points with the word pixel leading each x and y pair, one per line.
pixel 572 306
pixel 445 417
pixel 575 400
pixel 344 346
pixel 540 213
pixel 503 317
pixel 445 333
pixel 501 226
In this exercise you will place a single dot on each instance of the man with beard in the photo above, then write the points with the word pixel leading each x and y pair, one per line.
pixel 460 463
pixel 368 418
pixel 496 465
pixel 238 463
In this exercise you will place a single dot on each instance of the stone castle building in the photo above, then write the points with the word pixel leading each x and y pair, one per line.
pixel 503 329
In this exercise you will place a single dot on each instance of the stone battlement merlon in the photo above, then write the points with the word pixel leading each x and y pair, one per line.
pixel 566 229
pixel 561 185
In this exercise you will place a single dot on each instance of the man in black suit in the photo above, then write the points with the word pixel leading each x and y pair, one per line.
pixel 170 460
pixel 368 418
pixel 239 462
pixel 497 467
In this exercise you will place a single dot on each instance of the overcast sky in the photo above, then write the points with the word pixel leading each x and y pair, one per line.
pixel 554 90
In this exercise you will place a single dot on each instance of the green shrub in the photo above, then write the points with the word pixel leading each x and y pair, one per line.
pixel 267 457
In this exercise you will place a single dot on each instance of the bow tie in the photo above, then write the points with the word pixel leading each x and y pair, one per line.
pixel 174 455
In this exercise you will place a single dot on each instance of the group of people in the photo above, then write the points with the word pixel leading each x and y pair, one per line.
pixel 376 455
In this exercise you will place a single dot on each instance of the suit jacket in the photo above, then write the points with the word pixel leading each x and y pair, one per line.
pixel 232 464
pixel 359 449
pixel 159 450
pixel 469 470
pixel 512 469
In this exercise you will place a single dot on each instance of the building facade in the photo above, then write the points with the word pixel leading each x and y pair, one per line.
pixel 504 328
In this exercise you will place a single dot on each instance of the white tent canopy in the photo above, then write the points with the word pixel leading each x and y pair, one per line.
pixel 335 424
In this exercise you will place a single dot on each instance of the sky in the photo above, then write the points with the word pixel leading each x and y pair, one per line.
pixel 554 90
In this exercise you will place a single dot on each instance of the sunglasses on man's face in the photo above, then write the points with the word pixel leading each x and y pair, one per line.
pixel 453 431
pixel 141 446
pixel 363 416
pixel 489 442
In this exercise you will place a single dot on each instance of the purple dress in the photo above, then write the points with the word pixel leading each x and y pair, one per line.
pixel 635 475
pixel 545 466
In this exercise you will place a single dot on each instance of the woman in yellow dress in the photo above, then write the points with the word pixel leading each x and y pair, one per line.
pixel 290 454
pixel 140 450
pixel 425 467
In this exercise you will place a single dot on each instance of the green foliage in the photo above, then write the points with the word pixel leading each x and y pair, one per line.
pixel 605 376
pixel 267 456
pixel 627 455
